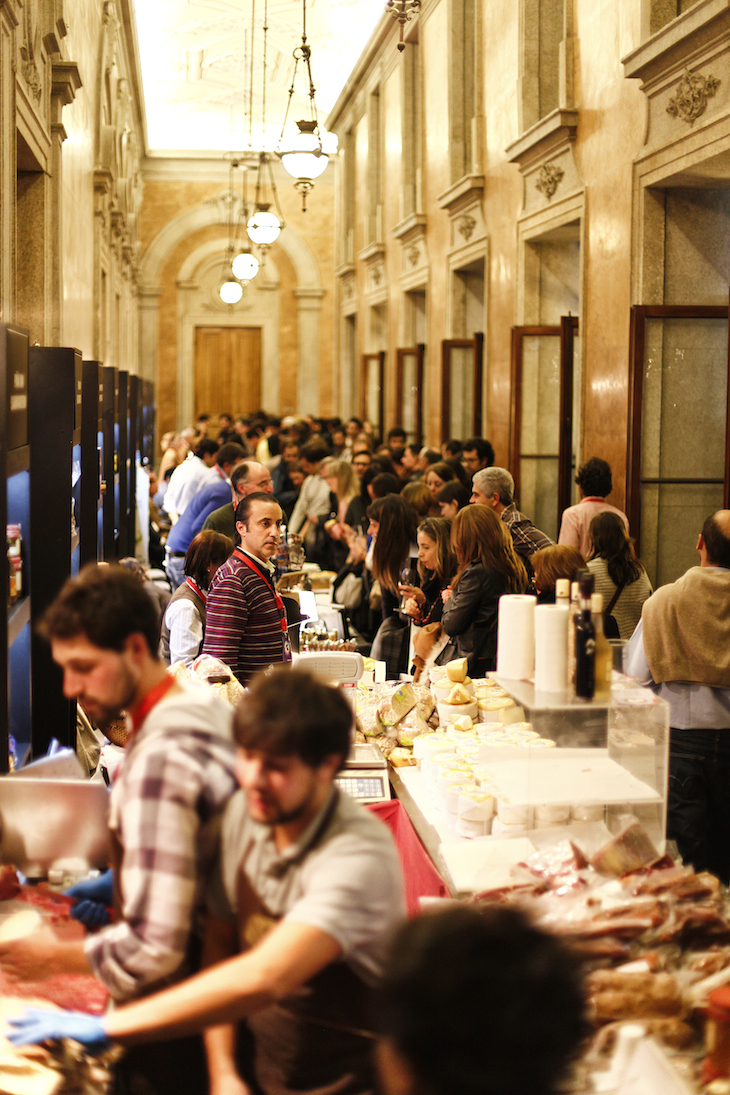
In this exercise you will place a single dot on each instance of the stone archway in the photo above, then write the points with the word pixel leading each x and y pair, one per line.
pixel 308 294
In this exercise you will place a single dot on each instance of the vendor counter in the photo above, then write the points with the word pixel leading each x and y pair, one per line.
pixel 585 854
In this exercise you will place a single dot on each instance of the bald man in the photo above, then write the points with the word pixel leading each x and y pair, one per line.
pixel 246 479
pixel 681 650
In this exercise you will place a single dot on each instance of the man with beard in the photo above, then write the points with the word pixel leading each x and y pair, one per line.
pixel 308 893
pixel 178 775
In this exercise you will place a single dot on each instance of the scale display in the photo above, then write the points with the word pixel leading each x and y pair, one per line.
pixel 365 786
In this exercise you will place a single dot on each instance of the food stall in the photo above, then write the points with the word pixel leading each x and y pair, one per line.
pixel 559 806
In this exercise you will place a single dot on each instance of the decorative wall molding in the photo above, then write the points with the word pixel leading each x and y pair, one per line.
pixel 463 193
pixel 544 155
pixel 549 178
pixel 690 100
pixel 678 67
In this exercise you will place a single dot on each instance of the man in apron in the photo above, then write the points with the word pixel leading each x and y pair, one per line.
pixel 308 893
pixel 165 811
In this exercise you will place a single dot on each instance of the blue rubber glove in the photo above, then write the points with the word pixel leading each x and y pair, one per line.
pixel 35 1026
pixel 91 900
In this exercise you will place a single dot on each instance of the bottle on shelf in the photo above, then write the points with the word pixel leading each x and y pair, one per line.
pixel 585 641
pixel 572 617
pixel 604 653
pixel 282 552
pixel 15 563
pixel 562 592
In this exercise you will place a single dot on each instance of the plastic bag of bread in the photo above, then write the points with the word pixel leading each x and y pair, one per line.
pixel 411 727
pixel 397 704
pixel 386 743
pixel 425 700
pixel 218 675
pixel 368 721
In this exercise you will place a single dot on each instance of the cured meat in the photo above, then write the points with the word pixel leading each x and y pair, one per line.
pixel 613 996
pixel 9 885
pixel 681 882
pixel 73 991
pixel 626 852
pixel 563 858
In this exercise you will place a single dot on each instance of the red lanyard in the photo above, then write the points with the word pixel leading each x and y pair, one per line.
pixel 143 708
pixel 247 561
pixel 593 499
pixel 222 474
pixel 196 589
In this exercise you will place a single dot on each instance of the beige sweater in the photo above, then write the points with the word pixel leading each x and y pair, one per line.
pixel 686 629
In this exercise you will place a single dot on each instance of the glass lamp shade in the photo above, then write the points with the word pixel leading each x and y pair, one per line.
pixel 231 291
pixel 263 227
pixel 303 157
pixel 245 266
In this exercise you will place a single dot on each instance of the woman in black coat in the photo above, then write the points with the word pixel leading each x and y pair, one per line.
pixel 488 566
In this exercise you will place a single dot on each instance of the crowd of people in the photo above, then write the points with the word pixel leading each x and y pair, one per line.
pixel 252 899
pixel 424 542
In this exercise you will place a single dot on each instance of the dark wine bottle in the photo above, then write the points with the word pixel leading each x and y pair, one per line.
pixel 585 641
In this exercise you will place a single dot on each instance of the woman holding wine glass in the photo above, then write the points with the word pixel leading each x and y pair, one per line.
pixel 436 568
pixel 488 566
pixel 394 564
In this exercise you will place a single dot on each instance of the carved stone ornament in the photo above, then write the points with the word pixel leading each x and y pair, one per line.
pixel 377 275
pixel 413 255
pixel 349 288
pixel 28 53
pixel 692 93
pixel 548 179
pixel 465 226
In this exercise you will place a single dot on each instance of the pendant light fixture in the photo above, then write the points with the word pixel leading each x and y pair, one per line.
pixel 239 265
pixel 403 11
pixel 263 226
pixel 302 155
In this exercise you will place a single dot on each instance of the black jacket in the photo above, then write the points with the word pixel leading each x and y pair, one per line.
pixel 470 617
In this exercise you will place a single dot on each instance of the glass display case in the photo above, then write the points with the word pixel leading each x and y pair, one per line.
pixel 608 761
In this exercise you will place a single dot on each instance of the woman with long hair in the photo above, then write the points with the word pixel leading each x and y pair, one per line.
pixel 487 567
pixel 620 575
pixel 436 568
pixel 394 553
pixel 344 486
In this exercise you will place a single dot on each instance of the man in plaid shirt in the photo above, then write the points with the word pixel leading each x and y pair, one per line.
pixel 495 487
pixel 178 775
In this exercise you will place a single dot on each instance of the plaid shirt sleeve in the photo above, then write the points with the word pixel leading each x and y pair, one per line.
pixel 166 794
pixel 526 537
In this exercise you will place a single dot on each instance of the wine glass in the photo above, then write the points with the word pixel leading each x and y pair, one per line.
pixel 405 580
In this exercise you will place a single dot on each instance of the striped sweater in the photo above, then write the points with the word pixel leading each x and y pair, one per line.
pixel 243 625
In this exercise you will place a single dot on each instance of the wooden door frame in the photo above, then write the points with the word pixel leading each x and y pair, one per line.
pixel 637 352
pixel 565 331
pixel 476 344
pixel 419 352
pixel 365 360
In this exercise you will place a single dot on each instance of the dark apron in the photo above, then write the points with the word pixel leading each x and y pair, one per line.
pixel 318 1041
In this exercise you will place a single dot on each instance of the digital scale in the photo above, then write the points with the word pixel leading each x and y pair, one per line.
pixel 365 775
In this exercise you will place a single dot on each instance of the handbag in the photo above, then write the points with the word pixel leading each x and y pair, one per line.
pixel 350 591
pixel 610 626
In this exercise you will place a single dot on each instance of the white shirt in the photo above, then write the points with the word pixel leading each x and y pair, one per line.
pixel 186 630
pixel 185 481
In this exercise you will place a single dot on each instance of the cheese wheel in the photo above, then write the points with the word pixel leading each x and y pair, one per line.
pixel 20 924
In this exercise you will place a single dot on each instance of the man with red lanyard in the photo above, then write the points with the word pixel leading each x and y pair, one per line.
pixel 246 624
pixel 177 776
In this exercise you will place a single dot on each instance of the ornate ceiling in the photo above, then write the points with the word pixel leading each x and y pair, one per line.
pixel 195 57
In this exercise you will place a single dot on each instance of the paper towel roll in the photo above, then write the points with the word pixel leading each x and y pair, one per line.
pixel 551 648
pixel 516 636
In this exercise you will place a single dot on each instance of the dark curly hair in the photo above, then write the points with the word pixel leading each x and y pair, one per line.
pixel 594 478
pixel 480 1002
